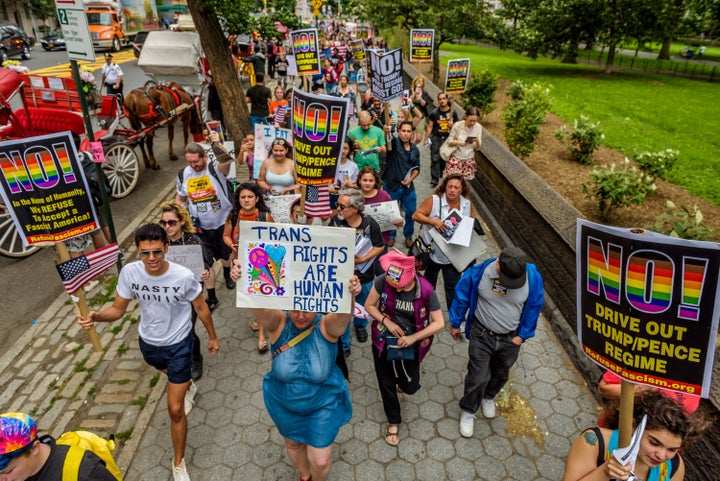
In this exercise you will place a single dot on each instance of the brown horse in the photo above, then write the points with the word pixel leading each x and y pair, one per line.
pixel 148 106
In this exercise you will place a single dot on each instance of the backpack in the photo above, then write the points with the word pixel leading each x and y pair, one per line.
pixel 227 186
pixel 81 441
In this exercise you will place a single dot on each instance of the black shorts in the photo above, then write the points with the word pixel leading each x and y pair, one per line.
pixel 213 244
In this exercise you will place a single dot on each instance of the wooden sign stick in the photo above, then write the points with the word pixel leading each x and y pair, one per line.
pixel 80 303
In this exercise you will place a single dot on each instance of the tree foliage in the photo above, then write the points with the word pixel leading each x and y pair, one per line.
pixel 42 9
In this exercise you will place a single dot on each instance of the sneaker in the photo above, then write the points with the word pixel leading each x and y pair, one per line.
pixel 488 408
pixel 467 424
pixel 190 399
pixel 362 334
pixel 180 472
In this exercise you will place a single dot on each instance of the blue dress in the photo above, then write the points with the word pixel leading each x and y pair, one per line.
pixel 305 392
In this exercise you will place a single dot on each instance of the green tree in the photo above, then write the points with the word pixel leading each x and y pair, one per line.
pixel 215 45
pixel 450 18
pixel 43 9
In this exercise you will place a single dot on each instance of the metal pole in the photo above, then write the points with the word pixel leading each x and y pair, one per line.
pixel 98 167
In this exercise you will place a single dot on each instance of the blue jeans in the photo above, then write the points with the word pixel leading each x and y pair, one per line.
pixel 408 202
pixel 490 357
pixel 358 322
pixel 257 119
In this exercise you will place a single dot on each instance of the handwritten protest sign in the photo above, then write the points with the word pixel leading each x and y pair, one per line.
pixel 421 44
pixel 319 124
pixel 264 135
pixel 457 74
pixel 279 206
pixel 306 51
pixel 647 306
pixel 43 187
pixel 357 47
pixel 384 213
pixel 189 256
pixel 304 268
pixel 386 77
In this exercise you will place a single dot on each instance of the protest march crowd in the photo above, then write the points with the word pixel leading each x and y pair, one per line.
pixel 495 303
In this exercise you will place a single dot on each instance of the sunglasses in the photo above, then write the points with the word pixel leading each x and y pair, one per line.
pixel 168 223
pixel 279 142
pixel 343 207
pixel 155 253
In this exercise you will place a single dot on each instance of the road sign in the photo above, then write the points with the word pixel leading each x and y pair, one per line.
pixel 74 26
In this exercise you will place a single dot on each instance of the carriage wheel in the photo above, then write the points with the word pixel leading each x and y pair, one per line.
pixel 122 169
pixel 11 244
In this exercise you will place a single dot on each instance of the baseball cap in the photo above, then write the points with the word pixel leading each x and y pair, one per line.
pixel 399 268
pixel 18 431
pixel 512 267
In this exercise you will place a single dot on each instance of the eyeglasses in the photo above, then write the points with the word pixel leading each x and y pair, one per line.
pixel 168 223
pixel 155 253
pixel 343 207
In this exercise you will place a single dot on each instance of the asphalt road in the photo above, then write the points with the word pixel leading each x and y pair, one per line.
pixel 30 284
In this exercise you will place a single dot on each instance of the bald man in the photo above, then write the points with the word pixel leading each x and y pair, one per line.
pixel 371 142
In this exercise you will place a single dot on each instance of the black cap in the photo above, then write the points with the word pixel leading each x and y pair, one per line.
pixel 108 55
pixel 513 262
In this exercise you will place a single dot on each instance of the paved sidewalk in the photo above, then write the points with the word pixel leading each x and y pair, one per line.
pixel 52 373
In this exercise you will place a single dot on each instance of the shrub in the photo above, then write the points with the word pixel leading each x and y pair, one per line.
pixel 615 187
pixel 657 164
pixel 480 91
pixel 682 223
pixel 584 139
pixel 523 115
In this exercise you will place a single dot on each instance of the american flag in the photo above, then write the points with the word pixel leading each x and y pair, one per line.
pixel 317 201
pixel 76 272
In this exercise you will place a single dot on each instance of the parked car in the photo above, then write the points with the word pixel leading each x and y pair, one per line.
pixel 138 42
pixel 53 40
pixel 13 42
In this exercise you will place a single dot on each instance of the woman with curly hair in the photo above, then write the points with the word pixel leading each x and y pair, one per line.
pixel 248 205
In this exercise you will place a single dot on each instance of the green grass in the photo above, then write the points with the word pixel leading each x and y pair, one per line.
pixel 637 112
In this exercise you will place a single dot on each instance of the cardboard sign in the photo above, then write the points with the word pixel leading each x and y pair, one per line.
pixel 306 51
pixel 647 306
pixel 386 78
pixel 456 78
pixel 319 124
pixel 98 155
pixel 44 188
pixel 294 267
pixel 358 48
pixel 384 213
pixel 264 135
pixel 279 206
pixel 189 256
pixel 421 44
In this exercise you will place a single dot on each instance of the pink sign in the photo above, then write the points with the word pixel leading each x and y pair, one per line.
pixel 98 155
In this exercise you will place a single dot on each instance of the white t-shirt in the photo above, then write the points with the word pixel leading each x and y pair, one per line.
pixel 165 301
pixel 207 202
pixel 349 169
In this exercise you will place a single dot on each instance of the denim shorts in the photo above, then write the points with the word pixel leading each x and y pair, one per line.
pixel 176 358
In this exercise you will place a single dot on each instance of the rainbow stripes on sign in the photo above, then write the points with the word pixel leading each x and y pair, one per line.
pixel 649 281
pixel 693 278
pixel 604 270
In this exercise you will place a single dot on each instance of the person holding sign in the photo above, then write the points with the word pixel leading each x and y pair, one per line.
pixel 658 458
pixel 166 293
pixel 437 129
pixel 448 197
pixel 465 136
pixel 368 247
pixel 248 205
pixel 305 392
pixel 369 182
pixel 407 315
pixel 180 231
pixel 500 301
pixel 402 166
pixel 277 173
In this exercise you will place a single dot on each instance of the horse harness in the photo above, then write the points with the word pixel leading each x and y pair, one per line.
pixel 155 110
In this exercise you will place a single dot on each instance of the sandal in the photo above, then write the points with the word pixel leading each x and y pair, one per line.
pixel 262 346
pixel 254 327
pixel 395 433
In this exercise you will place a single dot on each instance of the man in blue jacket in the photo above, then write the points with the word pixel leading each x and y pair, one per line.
pixel 500 300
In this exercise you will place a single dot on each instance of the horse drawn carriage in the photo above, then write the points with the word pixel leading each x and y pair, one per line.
pixel 32 105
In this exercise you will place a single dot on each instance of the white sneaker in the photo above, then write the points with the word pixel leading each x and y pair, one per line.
pixel 488 408
pixel 180 472
pixel 190 397
pixel 467 424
